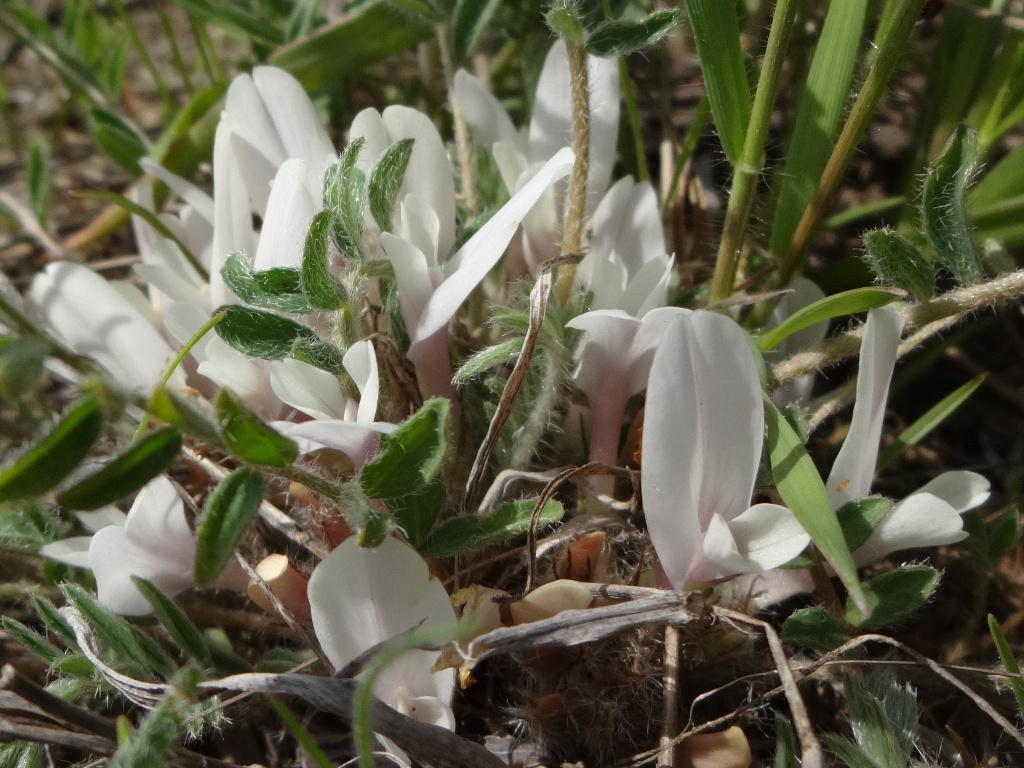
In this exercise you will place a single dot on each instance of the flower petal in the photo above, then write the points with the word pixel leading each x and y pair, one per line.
pixel 310 389
pixel 854 468
pixel 361 597
pixel 487 120
pixel 628 222
pixel 73 551
pixel 290 210
pixel 357 441
pixel 157 521
pixel 102 517
pixel 765 537
pixel 115 557
pixel 960 489
pixel 482 251
pixel 920 520
pixel 198 200
pixel 361 363
pixel 232 227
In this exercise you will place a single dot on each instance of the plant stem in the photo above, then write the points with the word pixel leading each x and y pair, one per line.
pixel 700 119
pixel 572 238
pixel 465 147
pixel 890 48
pixel 147 61
pixel 744 184
pixel 632 112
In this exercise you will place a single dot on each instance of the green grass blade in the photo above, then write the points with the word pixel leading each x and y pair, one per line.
pixel 1008 660
pixel 845 303
pixel 716 31
pixel 819 115
pixel 932 418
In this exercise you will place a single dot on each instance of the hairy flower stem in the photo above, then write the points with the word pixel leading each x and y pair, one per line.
pixel 541 409
pixel 465 148
pixel 923 321
pixel 572 239
pixel 744 183
pixel 891 45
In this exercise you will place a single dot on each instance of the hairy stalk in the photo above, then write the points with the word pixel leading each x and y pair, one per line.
pixel 901 25
pixel 744 183
pixel 465 148
pixel 551 384
pixel 924 321
pixel 572 238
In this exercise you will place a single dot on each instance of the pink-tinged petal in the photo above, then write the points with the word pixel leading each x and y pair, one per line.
pixel 960 489
pixel 115 557
pixel 294 119
pixel 920 520
pixel 361 597
pixel 289 213
pixel 854 468
pixel 357 441
pixel 312 390
pixel 703 428
pixel 487 120
pixel 73 551
pixel 551 121
pixel 360 362
pixel 198 200
pixel 627 221
pixel 101 518
pixel 433 365
pixel 478 256
pixel 766 536
pixel 95 320
pixel 232 228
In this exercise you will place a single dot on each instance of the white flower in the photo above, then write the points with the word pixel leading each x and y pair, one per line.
pixel 361 597
pixel 931 515
pixel 153 541
pixel 803 294
pixel 703 433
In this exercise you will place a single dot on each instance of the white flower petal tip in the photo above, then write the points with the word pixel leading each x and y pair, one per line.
pixel 361 597
pixel 73 551
pixel 920 520
pixel 961 489
pixel 764 537
pixel 429 710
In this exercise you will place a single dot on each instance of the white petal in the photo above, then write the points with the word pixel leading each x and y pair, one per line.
pixel 232 228
pixel 412 274
pixel 854 468
pixel 226 366
pixel 357 441
pixel 361 363
pixel 767 536
pixel 251 121
pixel 360 597
pixel 648 289
pixel 310 389
pixel 804 293
pixel 290 210
pixel 115 557
pixel 483 250
pixel 960 489
pixel 418 224
pixel 920 520
pixel 722 553
pixel 73 551
pixel 487 119
pixel 157 521
pixel 95 320
pixel 628 222
pixel 551 120
pixel 198 200
pixel 512 165
pixel 102 517
pixel 429 710
pixel 703 428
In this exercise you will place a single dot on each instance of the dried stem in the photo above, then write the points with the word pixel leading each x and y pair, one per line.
pixel 572 238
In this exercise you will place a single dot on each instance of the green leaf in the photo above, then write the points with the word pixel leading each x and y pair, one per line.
pixel 113 633
pixel 249 437
pixel 487 358
pixel 349 46
pixel 55 622
pixel 896 261
pixel 21 367
pixel 785 744
pixel 321 288
pixel 839 305
pixel 301 19
pixel 819 116
pixel 814 628
pixel 319 353
pixel 180 628
pixel 471 532
pixel 564 23
pixel 932 418
pixel 416 513
pixel 234 18
pixel 410 457
pixel 1008 660
pixel 1003 536
pixel 345 197
pixel 260 334
pixel 192 415
pixel 53 456
pixel 229 508
pixel 894 596
pixel 125 474
pixel 150 746
pixel 802 490
pixel 39 181
pixel 471 16
pixel 385 181
pixel 716 30
pixel 124 146
pixel 858 519
pixel 276 289
pixel 619 37
pixel 943 206
pixel 32 641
